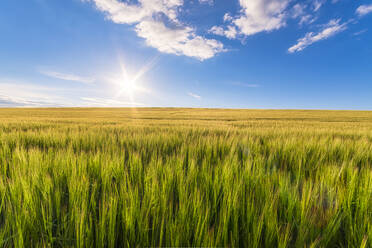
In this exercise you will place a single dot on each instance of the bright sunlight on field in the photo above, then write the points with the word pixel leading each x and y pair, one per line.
pixel 185 177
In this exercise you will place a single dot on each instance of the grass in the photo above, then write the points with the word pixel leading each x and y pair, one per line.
pixel 185 177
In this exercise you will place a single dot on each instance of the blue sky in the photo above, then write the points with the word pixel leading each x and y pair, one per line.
pixel 283 54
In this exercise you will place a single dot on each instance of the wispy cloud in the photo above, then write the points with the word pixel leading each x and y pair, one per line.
pixel 364 9
pixel 18 94
pixel 210 2
pixel 102 102
pixel 317 4
pixel 9 101
pixel 245 85
pixel 360 32
pixel 67 76
pixel 329 30
pixel 194 95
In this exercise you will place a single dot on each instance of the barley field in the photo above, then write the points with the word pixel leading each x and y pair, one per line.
pixel 152 177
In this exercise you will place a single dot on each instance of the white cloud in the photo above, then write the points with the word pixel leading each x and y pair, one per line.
pixel 330 29
pixel 156 21
pixel 230 32
pixel 256 16
pixel 301 11
pixel 194 95
pixel 261 15
pixel 364 9
pixel 179 41
pixel 267 15
pixel 227 17
pixel 122 12
pixel 67 77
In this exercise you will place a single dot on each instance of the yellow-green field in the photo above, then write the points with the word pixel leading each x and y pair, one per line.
pixel 185 177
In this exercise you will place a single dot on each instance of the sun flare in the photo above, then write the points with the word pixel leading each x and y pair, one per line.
pixel 130 84
pixel 127 87
pixel 127 84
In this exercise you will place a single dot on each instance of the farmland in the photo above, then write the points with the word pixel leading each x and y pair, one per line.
pixel 151 177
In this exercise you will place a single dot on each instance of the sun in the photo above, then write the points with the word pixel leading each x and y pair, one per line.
pixel 128 87
pixel 131 84
pixel 127 84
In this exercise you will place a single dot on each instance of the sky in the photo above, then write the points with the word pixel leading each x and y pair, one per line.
pixel 260 54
